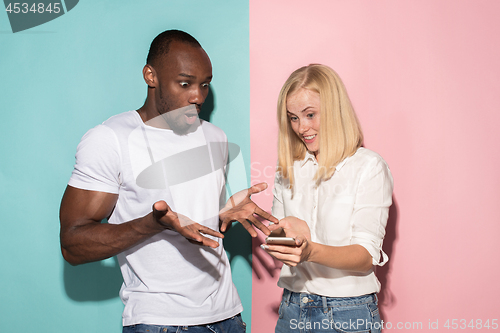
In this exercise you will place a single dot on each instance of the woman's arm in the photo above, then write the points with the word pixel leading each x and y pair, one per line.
pixel 368 220
pixel 350 257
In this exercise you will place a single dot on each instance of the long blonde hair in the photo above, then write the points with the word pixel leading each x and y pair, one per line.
pixel 340 131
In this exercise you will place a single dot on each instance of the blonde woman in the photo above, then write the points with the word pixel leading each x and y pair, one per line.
pixel 333 196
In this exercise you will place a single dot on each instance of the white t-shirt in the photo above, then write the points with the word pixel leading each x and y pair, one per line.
pixel 352 207
pixel 167 280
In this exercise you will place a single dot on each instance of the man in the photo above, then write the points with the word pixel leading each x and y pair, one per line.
pixel 152 173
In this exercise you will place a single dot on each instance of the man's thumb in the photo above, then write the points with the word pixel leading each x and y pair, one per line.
pixel 258 188
pixel 160 208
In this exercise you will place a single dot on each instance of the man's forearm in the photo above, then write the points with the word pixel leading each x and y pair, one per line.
pixel 94 241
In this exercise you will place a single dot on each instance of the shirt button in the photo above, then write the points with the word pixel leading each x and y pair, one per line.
pixel 305 299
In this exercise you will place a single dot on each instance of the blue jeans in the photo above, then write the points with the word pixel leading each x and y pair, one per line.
pixel 307 313
pixel 231 325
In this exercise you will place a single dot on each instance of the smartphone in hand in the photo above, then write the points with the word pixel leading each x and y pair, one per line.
pixel 280 241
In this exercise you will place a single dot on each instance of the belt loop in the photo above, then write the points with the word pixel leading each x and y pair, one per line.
pixel 287 295
pixel 325 307
pixel 375 297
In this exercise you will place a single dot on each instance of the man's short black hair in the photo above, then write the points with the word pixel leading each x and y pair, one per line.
pixel 161 44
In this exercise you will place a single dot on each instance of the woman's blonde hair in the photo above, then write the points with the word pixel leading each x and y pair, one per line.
pixel 340 131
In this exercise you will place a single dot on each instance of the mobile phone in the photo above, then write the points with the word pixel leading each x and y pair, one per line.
pixel 280 241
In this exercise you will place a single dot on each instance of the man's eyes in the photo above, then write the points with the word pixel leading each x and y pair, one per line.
pixel 187 84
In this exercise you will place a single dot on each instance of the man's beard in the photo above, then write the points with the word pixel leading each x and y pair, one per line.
pixel 175 117
pixel 176 120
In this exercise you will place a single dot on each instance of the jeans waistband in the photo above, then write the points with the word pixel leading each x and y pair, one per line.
pixel 312 300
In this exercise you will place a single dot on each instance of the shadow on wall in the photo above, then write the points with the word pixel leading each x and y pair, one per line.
pixel 99 281
pixel 238 242
pixel 208 106
pixel 270 269
pixel 386 298
pixel 96 281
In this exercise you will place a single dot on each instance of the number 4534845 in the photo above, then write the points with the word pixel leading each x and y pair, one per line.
pixel 472 324
pixel 39 8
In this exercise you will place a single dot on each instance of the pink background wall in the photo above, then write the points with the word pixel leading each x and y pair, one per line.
pixel 424 78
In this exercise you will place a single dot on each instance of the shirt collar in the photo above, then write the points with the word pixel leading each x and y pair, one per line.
pixel 308 157
pixel 341 164
pixel 311 157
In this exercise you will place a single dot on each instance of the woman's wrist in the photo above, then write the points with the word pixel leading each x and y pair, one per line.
pixel 310 251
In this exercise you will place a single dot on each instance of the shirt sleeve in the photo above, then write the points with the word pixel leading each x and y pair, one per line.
pixel 371 209
pixel 97 166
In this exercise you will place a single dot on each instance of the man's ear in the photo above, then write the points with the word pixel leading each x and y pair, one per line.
pixel 149 74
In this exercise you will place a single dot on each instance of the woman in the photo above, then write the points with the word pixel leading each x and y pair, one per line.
pixel 333 196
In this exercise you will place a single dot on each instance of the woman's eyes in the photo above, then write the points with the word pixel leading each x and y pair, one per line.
pixel 295 118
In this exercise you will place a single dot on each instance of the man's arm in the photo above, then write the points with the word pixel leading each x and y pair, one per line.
pixel 85 239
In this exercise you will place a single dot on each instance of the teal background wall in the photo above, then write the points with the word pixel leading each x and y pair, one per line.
pixel 57 81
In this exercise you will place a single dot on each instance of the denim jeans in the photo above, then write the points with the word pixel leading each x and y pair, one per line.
pixel 307 313
pixel 231 325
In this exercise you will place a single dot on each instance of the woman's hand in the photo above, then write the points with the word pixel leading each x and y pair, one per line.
pixel 293 227
pixel 291 255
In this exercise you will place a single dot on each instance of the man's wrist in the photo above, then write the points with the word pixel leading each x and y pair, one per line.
pixel 154 224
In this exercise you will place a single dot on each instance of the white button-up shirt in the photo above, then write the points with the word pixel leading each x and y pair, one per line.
pixel 351 207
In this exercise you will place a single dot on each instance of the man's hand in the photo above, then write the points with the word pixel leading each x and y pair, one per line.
pixel 191 230
pixel 242 209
